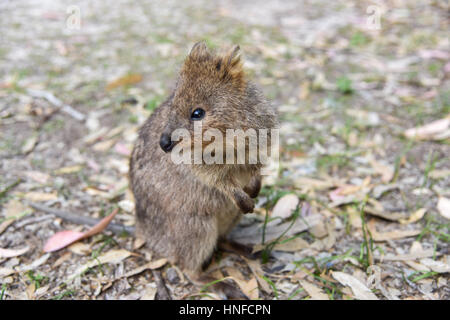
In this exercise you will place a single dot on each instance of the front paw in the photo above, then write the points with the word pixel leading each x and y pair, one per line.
pixel 253 188
pixel 244 202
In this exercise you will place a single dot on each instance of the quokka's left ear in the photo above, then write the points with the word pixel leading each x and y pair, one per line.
pixel 231 67
pixel 199 50
pixel 233 56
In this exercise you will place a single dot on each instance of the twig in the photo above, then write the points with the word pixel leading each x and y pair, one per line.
pixel 9 187
pixel 57 103
pixel 82 220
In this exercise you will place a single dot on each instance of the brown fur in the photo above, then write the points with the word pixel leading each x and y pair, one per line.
pixel 182 210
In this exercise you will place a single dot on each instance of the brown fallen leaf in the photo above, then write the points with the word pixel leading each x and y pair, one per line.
pixel 439 174
pixel 124 80
pixel 315 292
pixel 148 266
pixel 10 253
pixel 390 235
pixel 103 146
pixel 80 248
pixel 253 233
pixel 285 206
pixel 113 257
pixel 30 291
pixel 416 216
pixel 4 272
pixel 67 170
pixel 408 256
pixel 66 256
pixel 35 196
pixel 64 238
pixel 14 209
pixel 293 245
pixel 314 184
pixel 37 176
pixel 391 216
pixel 386 171
pixel 248 287
pixel 435 265
pixel 29 144
pixel 443 207
pixel 258 272
pixel 36 263
pixel 149 293
pixel 436 130
pixel 360 291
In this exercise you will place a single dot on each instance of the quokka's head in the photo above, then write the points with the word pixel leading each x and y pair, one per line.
pixel 211 90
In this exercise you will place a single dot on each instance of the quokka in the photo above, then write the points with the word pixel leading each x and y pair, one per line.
pixel 182 210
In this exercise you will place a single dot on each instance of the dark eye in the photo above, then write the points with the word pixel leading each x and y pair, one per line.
pixel 198 114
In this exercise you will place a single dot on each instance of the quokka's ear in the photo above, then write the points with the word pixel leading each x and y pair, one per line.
pixel 232 68
pixel 233 56
pixel 199 50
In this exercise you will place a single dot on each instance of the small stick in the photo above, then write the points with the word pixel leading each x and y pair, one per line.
pixel 57 103
pixel 12 185
pixel 82 220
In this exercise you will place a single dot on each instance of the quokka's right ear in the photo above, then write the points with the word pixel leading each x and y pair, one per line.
pixel 199 50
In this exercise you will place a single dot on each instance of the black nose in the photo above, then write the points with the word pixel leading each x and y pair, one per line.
pixel 166 142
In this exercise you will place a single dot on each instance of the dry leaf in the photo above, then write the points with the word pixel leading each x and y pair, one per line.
pixel 360 291
pixel 248 287
pixel 417 266
pixel 285 206
pixel 439 174
pixel 66 256
pixel 34 196
pixel 30 290
pixel 416 216
pixel 304 90
pixel 122 149
pixel 386 171
pixel 41 291
pixel 149 293
pixel 13 210
pixel 29 144
pixel 390 235
pixel 104 145
pixel 253 233
pixel 97 192
pixel 10 253
pixel 443 207
pixel 293 245
pixel 113 257
pixel 436 130
pixel 407 257
pixel 152 265
pixel 391 216
pixel 64 238
pixel 79 248
pixel 138 242
pixel 67 170
pixel 4 272
pixel 437 266
pixel 36 263
pixel 258 272
pixel 314 184
pixel 315 292
pixel 37 176
pixel 124 81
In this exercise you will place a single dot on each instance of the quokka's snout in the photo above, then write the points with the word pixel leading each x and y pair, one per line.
pixel 166 143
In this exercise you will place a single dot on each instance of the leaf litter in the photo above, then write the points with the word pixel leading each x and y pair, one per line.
pixel 358 210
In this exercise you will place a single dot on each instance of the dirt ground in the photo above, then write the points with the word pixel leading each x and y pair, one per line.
pixel 349 78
